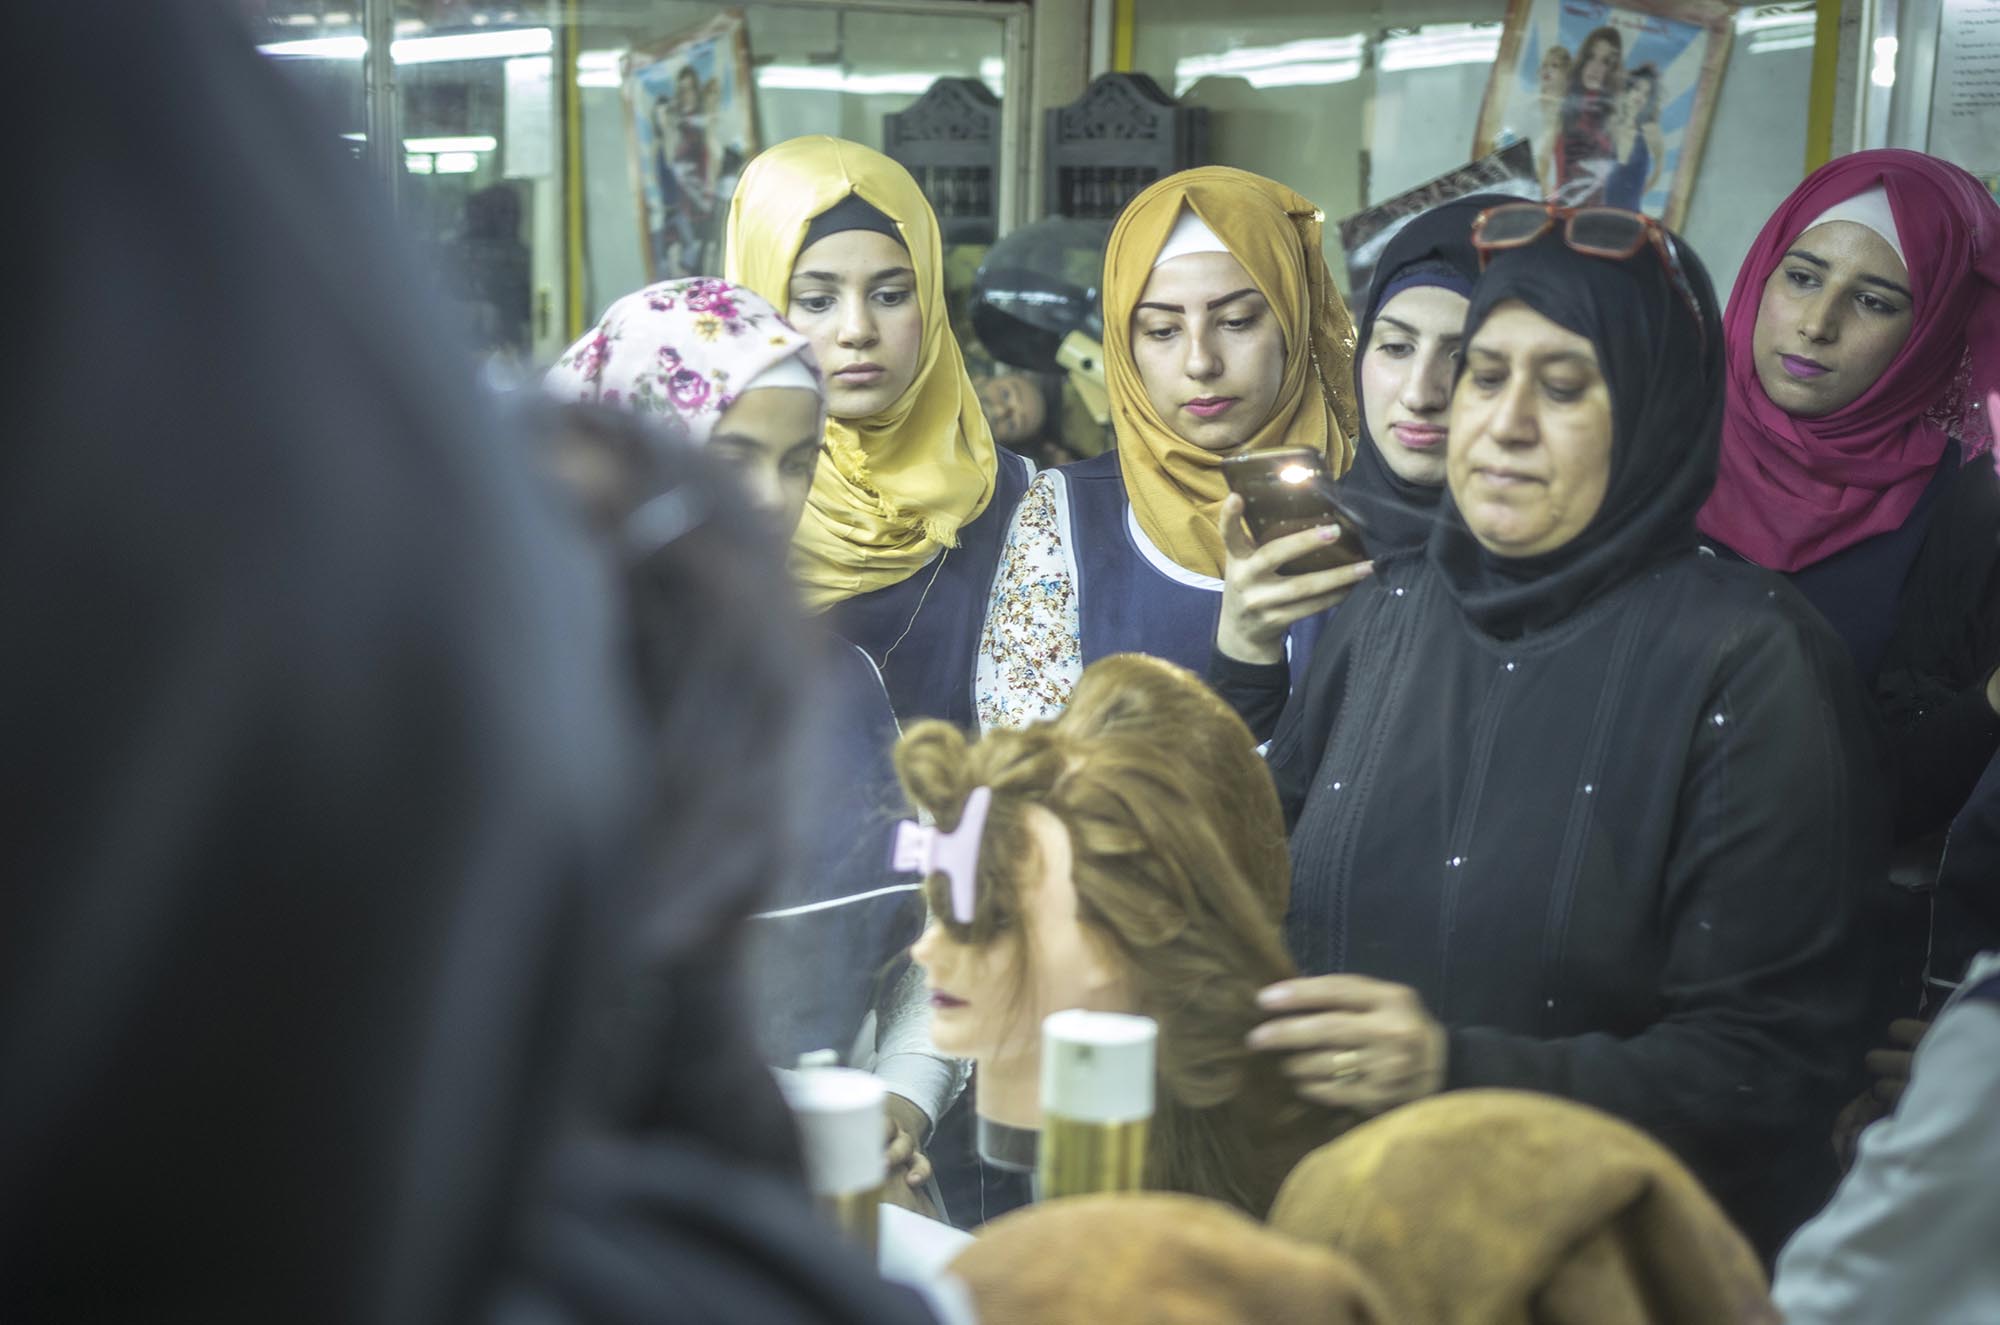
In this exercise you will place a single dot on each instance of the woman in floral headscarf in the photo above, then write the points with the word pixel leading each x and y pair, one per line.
pixel 720 363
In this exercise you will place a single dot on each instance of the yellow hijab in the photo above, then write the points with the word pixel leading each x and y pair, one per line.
pixel 1176 487
pixel 896 486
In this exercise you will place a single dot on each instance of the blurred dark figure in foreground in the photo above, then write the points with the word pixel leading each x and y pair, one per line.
pixel 321 782
pixel 490 266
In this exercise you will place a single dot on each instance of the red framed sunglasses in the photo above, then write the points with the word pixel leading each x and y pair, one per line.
pixel 1598 232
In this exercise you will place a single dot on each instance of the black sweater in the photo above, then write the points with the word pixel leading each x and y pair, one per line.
pixel 1620 859
pixel 1932 688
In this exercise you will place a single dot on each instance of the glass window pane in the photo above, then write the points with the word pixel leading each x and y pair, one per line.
pixel 481 111
pixel 319 48
pixel 817 69
pixel 1350 103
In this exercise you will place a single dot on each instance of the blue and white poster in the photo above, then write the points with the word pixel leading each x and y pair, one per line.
pixel 1615 98
pixel 692 115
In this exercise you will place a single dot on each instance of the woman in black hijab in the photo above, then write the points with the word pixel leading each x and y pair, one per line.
pixel 1577 809
pixel 1397 490
pixel 1408 354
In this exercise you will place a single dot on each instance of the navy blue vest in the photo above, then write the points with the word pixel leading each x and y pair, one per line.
pixel 1125 604
pixel 814 975
pixel 929 673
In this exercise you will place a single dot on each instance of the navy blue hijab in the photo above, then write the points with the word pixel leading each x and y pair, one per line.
pixel 1435 248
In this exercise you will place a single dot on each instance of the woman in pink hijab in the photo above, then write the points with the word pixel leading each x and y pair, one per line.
pixel 1863 344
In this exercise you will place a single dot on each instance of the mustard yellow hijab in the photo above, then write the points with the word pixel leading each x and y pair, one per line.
pixel 897 486
pixel 1176 487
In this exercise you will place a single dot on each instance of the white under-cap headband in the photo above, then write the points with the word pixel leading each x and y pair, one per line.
pixel 1872 210
pixel 788 371
pixel 1191 235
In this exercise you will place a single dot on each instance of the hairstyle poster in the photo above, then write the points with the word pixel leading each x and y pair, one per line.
pixel 691 111
pixel 1615 98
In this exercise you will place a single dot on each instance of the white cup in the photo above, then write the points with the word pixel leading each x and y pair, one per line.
pixel 842 1128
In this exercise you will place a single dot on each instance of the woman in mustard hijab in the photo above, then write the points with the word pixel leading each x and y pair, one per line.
pixel 1223 334
pixel 903 528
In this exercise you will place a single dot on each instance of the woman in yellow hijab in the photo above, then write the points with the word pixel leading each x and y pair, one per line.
pixel 903 527
pixel 1223 335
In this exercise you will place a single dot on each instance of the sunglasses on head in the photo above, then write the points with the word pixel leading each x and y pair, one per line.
pixel 1598 232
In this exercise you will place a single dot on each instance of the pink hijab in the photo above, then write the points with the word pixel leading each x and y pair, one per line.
pixel 1791 491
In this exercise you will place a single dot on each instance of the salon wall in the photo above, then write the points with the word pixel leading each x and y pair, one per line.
pixel 1345 132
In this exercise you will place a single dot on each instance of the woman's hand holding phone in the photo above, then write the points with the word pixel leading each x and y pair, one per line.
pixel 1258 603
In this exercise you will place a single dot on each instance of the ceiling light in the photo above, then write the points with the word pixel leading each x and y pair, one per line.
pixel 498 44
pixel 1434 46
pixel 470 143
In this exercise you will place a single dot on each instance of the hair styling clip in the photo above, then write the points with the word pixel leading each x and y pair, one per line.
pixel 925 850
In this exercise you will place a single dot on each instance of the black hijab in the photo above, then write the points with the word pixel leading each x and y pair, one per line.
pixel 853 212
pixel 1435 248
pixel 1666 421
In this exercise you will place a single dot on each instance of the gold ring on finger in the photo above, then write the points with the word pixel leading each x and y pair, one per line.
pixel 1347 1065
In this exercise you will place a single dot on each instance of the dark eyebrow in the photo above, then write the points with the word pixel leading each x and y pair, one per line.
pixel 830 278
pixel 1398 322
pixel 1210 306
pixel 1577 357
pixel 1883 281
pixel 1888 284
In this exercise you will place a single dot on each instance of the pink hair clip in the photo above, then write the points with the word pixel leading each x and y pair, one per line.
pixel 925 850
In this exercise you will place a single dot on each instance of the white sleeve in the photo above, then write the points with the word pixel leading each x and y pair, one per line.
pixel 905 1059
pixel 1912 1232
pixel 1030 655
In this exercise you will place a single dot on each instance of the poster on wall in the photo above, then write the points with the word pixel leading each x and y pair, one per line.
pixel 1615 98
pixel 691 122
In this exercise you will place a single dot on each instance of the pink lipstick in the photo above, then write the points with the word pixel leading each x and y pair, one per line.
pixel 1209 407
pixel 1801 367
pixel 1419 436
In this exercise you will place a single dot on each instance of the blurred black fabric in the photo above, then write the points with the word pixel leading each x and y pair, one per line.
pixel 321 775
pixel 312 758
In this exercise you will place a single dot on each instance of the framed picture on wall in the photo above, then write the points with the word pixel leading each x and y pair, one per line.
pixel 691 121
pixel 1615 98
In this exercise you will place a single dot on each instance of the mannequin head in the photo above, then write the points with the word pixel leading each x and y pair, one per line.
pixel 1132 861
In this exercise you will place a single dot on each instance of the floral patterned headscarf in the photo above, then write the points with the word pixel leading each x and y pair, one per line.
pixel 686 348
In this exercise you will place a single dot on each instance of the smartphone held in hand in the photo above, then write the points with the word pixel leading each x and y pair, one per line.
pixel 1291 490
